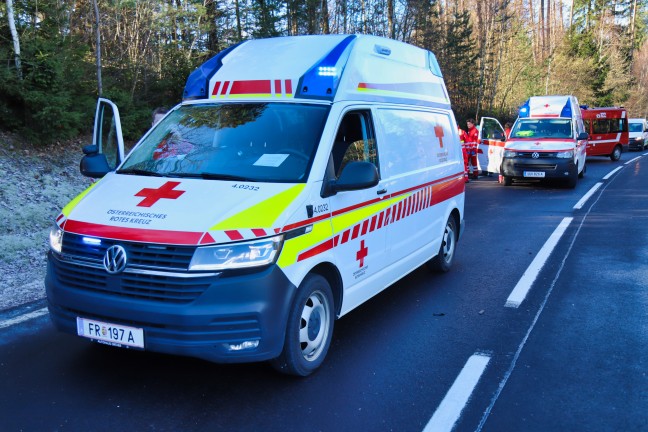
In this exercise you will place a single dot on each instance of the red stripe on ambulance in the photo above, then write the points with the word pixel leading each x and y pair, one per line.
pixel 430 195
pixel 133 234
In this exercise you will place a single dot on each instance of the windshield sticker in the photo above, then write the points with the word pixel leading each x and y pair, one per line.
pixel 271 160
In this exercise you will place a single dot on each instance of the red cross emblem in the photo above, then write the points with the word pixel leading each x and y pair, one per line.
pixel 151 196
pixel 438 131
pixel 362 253
pixel 547 105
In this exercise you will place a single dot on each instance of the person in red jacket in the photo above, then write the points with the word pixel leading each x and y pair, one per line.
pixel 472 141
pixel 462 139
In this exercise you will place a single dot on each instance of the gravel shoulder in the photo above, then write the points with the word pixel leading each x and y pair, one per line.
pixel 35 184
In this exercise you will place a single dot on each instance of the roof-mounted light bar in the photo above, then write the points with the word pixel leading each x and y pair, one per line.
pixel 321 81
pixel 197 86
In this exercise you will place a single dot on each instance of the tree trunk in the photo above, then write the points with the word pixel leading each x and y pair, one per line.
pixel 390 18
pixel 325 18
pixel 98 35
pixel 14 36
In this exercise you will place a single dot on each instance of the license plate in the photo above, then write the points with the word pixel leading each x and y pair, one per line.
pixel 536 174
pixel 110 334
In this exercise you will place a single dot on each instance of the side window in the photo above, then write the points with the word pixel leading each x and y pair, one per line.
pixel 413 140
pixel 354 141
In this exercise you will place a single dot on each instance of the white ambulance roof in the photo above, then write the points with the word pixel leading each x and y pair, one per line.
pixel 549 106
pixel 323 67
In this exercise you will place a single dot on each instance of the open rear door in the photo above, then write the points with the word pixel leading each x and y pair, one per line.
pixel 491 145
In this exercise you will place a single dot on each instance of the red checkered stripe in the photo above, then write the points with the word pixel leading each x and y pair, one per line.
pixel 413 203
pixel 267 88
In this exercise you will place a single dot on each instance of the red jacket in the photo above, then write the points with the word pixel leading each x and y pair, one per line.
pixel 472 137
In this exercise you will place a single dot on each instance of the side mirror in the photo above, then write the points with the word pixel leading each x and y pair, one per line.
pixel 583 136
pixel 93 164
pixel 354 176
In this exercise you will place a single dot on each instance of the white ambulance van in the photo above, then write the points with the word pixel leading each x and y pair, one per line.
pixel 548 140
pixel 299 177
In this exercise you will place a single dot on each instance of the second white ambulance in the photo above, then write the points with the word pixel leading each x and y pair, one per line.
pixel 547 141
pixel 299 177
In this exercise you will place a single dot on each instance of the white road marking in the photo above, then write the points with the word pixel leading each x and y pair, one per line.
pixel 611 173
pixel 523 286
pixel 587 196
pixel 22 318
pixel 632 160
pixel 455 400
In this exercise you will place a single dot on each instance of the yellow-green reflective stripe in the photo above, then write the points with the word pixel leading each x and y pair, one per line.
pixel 263 214
pixel 70 206
pixel 292 248
pixel 346 220
pixel 323 231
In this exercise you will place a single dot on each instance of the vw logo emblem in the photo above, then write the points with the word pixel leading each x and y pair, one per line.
pixel 535 155
pixel 115 259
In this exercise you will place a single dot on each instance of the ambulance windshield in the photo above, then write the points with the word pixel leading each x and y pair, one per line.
pixel 636 127
pixel 542 128
pixel 269 142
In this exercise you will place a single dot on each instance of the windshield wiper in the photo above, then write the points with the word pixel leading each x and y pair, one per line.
pixel 142 172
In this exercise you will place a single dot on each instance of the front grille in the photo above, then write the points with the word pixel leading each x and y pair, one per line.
pixel 534 167
pixel 154 272
pixel 167 257
pixel 541 155
pixel 155 287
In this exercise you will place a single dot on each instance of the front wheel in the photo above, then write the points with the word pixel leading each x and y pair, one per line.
pixel 616 153
pixel 507 180
pixel 309 329
pixel 443 261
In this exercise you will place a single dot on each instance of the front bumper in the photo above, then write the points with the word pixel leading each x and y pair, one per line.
pixel 551 167
pixel 225 310
pixel 636 144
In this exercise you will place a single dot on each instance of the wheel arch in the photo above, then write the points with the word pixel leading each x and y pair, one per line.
pixel 332 275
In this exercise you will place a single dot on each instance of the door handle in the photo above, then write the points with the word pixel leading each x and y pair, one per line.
pixel 382 191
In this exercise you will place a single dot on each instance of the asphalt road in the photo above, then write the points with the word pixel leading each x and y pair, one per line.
pixel 434 352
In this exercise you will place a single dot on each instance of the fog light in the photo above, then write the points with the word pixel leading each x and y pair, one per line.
pixel 247 345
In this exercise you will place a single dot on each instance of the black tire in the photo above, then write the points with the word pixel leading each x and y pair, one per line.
pixel 507 180
pixel 616 153
pixel 309 330
pixel 582 173
pixel 443 260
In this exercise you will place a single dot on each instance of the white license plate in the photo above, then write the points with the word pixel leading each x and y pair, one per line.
pixel 536 174
pixel 110 334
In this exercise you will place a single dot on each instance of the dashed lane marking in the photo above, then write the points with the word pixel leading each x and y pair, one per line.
pixel 455 400
pixel 611 173
pixel 579 205
pixel 523 286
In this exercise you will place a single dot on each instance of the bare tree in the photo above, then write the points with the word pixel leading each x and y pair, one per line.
pixel 14 36
pixel 98 35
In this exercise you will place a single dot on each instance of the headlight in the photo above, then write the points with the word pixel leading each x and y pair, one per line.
pixel 638 139
pixel 56 238
pixel 565 154
pixel 510 154
pixel 237 255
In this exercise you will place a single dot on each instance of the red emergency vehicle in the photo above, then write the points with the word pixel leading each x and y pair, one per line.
pixel 608 131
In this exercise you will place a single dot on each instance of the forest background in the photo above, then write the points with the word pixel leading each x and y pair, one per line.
pixel 59 55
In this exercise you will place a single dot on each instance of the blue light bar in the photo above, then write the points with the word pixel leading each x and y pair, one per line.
pixel 525 110
pixel 566 111
pixel 321 81
pixel 197 85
